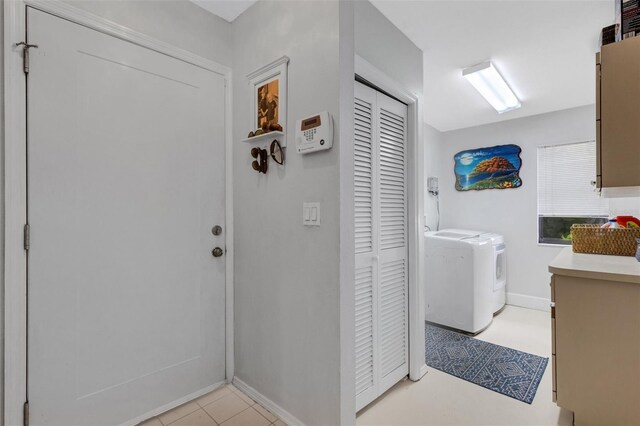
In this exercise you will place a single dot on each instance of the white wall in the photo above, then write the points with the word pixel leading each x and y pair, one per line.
pixel 624 207
pixel 512 212
pixel 432 168
pixel 287 289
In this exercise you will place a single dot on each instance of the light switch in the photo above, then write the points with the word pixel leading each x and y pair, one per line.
pixel 311 214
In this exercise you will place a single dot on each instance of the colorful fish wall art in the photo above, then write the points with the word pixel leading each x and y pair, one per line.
pixel 497 167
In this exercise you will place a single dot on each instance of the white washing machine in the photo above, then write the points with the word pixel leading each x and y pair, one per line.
pixel 499 266
pixel 459 280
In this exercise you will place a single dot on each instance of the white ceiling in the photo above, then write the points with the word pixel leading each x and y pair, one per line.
pixel 226 9
pixel 544 49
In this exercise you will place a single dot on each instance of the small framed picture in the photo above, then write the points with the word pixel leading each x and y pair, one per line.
pixel 269 95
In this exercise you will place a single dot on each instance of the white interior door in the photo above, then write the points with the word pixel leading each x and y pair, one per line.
pixel 125 182
pixel 381 277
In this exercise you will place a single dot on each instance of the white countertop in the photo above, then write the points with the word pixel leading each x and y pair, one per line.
pixel 596 266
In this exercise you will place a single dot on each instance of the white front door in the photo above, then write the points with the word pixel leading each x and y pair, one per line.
pixel 125 182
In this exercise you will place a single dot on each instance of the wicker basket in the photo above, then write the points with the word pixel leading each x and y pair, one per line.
pixel 595 240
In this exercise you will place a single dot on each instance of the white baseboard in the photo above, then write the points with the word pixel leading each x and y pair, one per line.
pixel 286 417
pixel 173 404
pixel 531 302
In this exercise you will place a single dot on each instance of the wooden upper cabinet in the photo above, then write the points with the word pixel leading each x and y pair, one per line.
pixel 618 114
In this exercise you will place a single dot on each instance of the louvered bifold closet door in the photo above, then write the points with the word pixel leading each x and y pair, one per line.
pixel 366 245
pixel 380 243
pixel 393 289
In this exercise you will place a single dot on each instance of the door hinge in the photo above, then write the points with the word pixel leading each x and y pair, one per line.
pixel 25 55
pixel 27 236
pixel 25 413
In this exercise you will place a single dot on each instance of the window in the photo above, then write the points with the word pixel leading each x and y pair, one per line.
pixel 565 191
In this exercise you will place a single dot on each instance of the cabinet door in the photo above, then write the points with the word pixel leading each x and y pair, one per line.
pixel 620 126
pixel 597 366
pixel 598 116
pixel 553 340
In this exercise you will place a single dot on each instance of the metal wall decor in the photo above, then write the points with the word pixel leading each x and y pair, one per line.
pixel 261 156
pixel 260 163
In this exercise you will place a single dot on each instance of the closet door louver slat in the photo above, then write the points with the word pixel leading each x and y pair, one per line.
pixel 364 330
pixel 392 182
pixel 393 316
pixel 363 176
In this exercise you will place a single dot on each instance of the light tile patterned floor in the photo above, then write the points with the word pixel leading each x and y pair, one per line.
pixel 226 406
pixel 441 399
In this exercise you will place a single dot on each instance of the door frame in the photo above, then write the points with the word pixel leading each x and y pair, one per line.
pixel 415 201
pixel 15 189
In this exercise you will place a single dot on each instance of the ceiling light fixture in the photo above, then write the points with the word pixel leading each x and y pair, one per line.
pixel 488 81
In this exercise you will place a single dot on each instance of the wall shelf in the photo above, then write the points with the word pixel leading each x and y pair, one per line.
pixel 268 137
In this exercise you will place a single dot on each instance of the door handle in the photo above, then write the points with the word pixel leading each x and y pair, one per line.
pixel 217 252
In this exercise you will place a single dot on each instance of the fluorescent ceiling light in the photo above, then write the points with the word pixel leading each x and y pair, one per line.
pixel 488 81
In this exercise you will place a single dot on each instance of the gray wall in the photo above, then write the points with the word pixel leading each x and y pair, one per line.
pixel 384 46
pixel 2 214
pixel 177 22
pixel 347 217
pixel 512 212
pixel 287 294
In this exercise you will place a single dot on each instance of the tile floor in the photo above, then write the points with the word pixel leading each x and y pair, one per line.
pixel 226 406
pixel 437 399
pixel 441 399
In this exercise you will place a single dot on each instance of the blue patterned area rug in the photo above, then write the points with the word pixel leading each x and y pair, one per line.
pixel 504 370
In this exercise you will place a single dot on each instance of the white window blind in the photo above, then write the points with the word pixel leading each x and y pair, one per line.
pixel 565 173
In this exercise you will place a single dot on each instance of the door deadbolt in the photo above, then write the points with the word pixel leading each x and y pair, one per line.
pixel 216 230
pixel 217 252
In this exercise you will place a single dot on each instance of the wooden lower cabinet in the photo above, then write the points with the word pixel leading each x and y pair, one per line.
pixel 596 349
